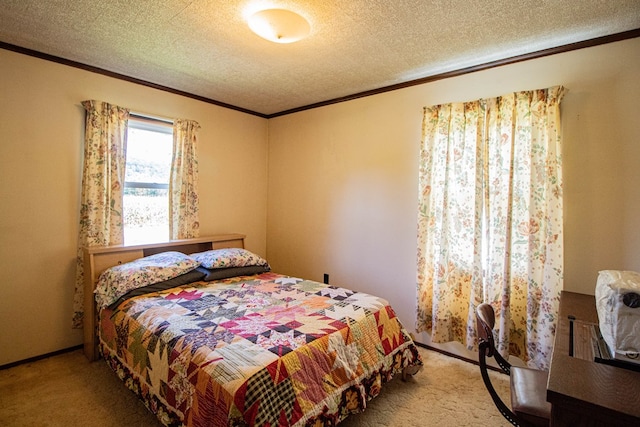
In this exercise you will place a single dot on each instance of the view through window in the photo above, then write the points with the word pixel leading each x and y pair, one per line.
pixel 146 188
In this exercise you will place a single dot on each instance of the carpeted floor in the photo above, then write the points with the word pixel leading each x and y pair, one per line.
pixel 66 390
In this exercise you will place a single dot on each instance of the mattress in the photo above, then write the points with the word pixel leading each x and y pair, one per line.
pixel 266 349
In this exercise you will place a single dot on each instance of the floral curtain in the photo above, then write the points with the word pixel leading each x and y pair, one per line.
pixel 490 221
pixel 183 183
pixel 101 222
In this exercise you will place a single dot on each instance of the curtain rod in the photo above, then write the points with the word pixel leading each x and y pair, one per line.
pixel 149 118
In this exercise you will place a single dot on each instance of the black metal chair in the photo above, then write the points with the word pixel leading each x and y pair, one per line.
pixel 528 386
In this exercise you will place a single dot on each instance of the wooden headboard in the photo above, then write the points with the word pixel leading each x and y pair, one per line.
pixel 99 258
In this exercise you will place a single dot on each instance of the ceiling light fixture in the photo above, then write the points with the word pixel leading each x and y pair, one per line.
pixel 279 25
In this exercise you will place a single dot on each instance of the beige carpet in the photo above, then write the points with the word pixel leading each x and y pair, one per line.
pixel 66 390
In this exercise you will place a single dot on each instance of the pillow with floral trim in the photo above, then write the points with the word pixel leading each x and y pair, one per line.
pixel 228 257
pixel 120 279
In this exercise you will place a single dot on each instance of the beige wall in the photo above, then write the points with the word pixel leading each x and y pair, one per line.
pixel 343 178
pixel 41 137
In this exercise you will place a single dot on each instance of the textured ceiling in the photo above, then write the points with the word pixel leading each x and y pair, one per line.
pixel 205 48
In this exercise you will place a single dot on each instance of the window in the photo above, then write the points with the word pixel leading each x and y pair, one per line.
pixel 146 188
pixel 490 220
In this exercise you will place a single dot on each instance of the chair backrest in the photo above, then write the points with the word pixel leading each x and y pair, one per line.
pixel 486 319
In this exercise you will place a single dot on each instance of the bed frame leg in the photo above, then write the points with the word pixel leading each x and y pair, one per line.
pixel 409 371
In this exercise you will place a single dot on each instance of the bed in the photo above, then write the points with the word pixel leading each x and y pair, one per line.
pixel 231 343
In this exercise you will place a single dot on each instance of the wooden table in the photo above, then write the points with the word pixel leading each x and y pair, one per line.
pixel 583 392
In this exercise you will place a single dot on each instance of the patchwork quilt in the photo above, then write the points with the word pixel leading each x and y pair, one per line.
pixel 264 350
